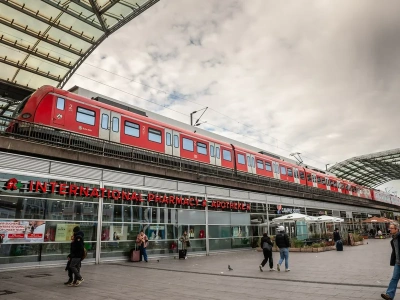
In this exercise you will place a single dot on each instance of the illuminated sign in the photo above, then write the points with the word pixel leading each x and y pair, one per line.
pixel 88 192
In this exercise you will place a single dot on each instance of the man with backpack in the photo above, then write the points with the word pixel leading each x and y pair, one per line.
pixel 77 254
pixel 283 243
pixel 266 245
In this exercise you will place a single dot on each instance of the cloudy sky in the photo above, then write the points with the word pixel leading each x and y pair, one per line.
pixel 316 77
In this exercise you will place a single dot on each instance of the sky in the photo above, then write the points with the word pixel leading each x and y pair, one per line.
pixel 316 77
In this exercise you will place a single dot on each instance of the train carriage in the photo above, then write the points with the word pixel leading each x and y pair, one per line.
pixel 64 110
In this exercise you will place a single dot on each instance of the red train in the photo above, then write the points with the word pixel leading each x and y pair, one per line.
pixel 65 110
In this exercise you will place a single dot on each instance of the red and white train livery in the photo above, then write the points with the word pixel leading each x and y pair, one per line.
pixel 62 109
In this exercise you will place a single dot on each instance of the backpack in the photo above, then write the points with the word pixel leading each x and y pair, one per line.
pixel 84 253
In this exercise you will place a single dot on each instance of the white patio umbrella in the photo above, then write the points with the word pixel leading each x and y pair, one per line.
pixel 290 218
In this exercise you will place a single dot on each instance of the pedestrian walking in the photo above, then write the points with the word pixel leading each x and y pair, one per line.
pixel 142 241
pixel 283 243
pixel 394 261
pixel 76 231
pixel 266 245
pixel 76 256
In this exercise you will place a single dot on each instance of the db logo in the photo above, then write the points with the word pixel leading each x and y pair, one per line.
pixel 11 184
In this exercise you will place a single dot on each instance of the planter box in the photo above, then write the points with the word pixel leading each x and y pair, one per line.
pixel 319 249
pixel 306 249
pixel 358 243
pixel 294 249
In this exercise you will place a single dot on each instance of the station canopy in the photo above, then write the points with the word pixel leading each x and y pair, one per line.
pixel 45 41
pixel 370 170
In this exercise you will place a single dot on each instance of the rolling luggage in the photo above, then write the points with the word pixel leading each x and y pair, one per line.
pixel 182 253
pixel 339 246
pixel 135 255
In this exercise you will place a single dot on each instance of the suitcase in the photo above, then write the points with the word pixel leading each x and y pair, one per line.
pixel 339 246
pixel 135 255
pixel 182 254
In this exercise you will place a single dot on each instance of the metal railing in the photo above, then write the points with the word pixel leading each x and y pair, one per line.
pixel 69 140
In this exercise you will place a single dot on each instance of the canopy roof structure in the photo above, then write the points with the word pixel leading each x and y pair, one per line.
pixel 45 41
pixel 370 170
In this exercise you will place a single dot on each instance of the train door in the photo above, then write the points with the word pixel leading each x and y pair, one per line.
pixel 59 111
pixel 296 175
pixel 339 186
pixel 314 180
pixel 110 125
pixel 169 147
pixel 217 153
pixel 251 164
pixel 328 183
pixel 215 157
pixel 275 168
pixel 176 138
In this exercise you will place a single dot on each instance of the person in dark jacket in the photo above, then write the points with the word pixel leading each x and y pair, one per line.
pixel 336 235
pixel 76 255
pixel 283 243
pixel 394 261
pixel 266 245
pixel 76 231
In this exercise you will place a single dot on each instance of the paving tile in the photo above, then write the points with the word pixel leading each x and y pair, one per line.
pixel 324 276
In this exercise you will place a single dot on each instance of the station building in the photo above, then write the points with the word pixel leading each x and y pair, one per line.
pixel 42 200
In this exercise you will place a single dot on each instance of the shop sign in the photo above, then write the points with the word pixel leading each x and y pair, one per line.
pixel 87 192
pixel 287 210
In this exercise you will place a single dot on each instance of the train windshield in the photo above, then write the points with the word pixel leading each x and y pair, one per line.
pixel 20 107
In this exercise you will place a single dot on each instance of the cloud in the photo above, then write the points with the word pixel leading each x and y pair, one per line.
pixel 316 77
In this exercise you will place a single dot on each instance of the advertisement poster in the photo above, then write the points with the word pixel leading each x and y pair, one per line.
pixel 156 232
pixel 14 232
pixel 64 232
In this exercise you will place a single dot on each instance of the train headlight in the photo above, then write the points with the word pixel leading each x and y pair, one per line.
pixel 26 115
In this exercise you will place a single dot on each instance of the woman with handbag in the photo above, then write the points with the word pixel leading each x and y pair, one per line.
pixel 266 246
pixel 185 242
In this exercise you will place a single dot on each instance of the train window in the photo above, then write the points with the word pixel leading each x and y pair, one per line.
pixel 252 162
pixel 187 144
pixel 302 175
pixel 289 172
pixel 176 141
pixel 201 148
pixel 132 129
pixel 168 139
pixel 323 181
pixel 85 116
pixel 260 164
pixel 217 152
pixel 104 121
pixel 241 159
pixel 283 170
pixel 309 177
pixel 268 166
pixel 212 150
pixel 318 179
pixel 115 124
pixel 227 155
pixel 60 103
pixel 155 135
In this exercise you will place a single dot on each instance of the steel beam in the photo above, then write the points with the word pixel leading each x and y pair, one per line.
pixel 48 22
pixel 99 17
pixel 35 53
pixel 73 14
pixel 29 69
pixel 38 36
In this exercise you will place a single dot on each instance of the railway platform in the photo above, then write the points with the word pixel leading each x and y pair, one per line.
pixel 359 272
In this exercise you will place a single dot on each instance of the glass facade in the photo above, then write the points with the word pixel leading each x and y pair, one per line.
pixel 38 214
